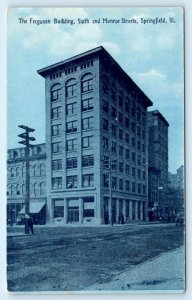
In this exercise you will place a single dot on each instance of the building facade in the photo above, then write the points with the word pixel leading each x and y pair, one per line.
pixel 16 180
pixel 96 141
pixel 176 191
pixel 157 164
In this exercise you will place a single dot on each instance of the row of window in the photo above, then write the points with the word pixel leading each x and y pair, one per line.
pixel 114 128
pixel 115 114
pixel 35 189
pixel 87 123
pixel 71 145
pixel 120 184
pixel 21 171
pixel 71 108
pixel 35 150
pixel 71 87
pixel 71 163
pixel 114 146
pixel 72 181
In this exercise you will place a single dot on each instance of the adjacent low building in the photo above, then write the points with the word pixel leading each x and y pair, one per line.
pixel 16 176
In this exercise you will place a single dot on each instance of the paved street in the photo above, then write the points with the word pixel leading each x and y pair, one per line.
pixel 75 258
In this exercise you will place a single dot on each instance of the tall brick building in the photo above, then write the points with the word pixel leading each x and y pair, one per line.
pixel 158 164
pixel 96 141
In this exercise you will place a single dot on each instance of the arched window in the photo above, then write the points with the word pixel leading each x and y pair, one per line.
pixel 56 92
pixel 23 189
pixel 35 189
pixel 42 170
pixel 12 190
pixel 12 171
pixel 87 83
pixel 18 189
pixel 17 171
pixel 71 88
pixel 23 171
pixel 36 173
pixel 42 188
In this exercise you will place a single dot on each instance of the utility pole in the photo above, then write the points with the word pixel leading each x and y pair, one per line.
pixel 26 141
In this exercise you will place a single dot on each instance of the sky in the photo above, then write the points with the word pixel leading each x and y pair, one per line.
pixel 151 54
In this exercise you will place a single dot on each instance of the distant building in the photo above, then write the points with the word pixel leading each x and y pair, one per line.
pixel 16 174
pixel 157 164
pixel 176 190
pixel 96 141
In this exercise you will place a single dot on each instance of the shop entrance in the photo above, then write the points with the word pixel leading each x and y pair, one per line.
pixel 73 214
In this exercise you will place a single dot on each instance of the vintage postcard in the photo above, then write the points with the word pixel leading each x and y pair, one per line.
pixel 95 155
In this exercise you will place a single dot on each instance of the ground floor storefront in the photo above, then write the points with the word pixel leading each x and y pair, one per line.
pixel 87 210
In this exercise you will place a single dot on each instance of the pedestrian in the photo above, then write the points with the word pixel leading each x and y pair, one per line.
pixel 30 224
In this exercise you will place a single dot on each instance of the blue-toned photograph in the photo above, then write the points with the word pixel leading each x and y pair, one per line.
pixel 95 150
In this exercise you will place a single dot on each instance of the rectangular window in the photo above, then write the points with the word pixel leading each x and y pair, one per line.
pixel 127 138
pixel 121 150
pixel 120 101
pixel 87 123
pixel 56 164
pixel 120 119
pixel 87 213
pixel 71 145
pixel 121 184
pixel 105 143
pixel 139 188
pixel 88 199
pixel 113 130
pixel 114 165
pixel 71 90
pixel 133 187
pixel 133 142
pixel 87 104
pixel 113 112
pixel 71 109
pixel 87 142
pixel 56 130
pixel 133 172
pixel 106 162
pixel 138 131
pixel 55 95
pixel 121 134
pixel 56 147
pixel 133 156
pixel 127 106
pixel 138 160
pixel 114 147
pixel 144 176
pixel 105 180
pixel 105 124
pixel 127 153
pixel 127 169
pixel 139 174
pixel 133 127
pixel 126 122
pixel 105 106
pixel 71 162
pixel 120 167
pixel 114 183
pixel 139 145
pixel 56 112
pixel 71 126
pixel 87 85
pixel 88 160
pixel 58 208
pixel 144 189
pixel 88 180
pixel 56 183
pixel 71 182
pixel 127 185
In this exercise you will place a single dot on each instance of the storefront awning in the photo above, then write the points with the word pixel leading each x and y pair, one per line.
pixel 34 207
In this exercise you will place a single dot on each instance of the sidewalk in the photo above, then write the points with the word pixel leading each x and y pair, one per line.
pixel 163 273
